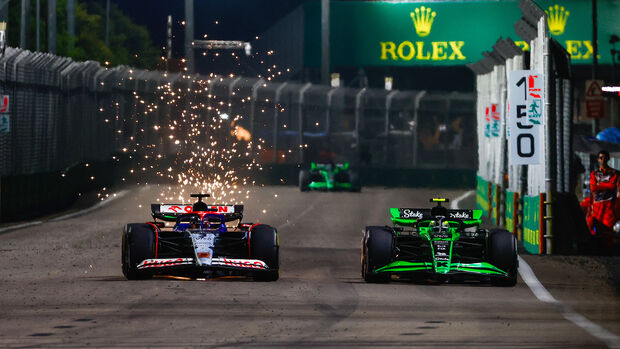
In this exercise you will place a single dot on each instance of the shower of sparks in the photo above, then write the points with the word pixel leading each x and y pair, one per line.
pixel 200 147
pixel 190 137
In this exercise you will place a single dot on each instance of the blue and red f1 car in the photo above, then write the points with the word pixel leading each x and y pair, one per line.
pixel 200 240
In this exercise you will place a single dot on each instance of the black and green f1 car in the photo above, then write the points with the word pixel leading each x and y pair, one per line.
pixel 328 177
pixel 441 243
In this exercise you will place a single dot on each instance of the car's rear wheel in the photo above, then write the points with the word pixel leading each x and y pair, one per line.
pixel 377 247
pixel 264 246
pixel 503 255
pixel 304 180
pixel 138 244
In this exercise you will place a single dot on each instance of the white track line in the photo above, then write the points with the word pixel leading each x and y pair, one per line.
pixel 19 226
pixel 455 203
pixel 100 204
pixel 71 215
pixel 527 274
pixel 612 340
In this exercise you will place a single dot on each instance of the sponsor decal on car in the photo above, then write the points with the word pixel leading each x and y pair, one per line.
pixel 408 213
pixel 240 263
pixel 460 215
pixel 164 262
pixel 185 208
pixel 203 245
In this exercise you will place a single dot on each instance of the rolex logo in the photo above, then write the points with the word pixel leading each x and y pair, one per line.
pixel 423 19
pixel 556 17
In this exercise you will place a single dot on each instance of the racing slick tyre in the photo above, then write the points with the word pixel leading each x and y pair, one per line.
pixel 304 180
pixel 138 245
pixel 377 247
pixel 503 254
pixel 264 246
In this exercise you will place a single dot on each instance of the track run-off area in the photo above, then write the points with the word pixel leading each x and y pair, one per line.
pixel 62 286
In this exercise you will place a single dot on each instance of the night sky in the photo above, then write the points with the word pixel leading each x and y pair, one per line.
pixel 236 19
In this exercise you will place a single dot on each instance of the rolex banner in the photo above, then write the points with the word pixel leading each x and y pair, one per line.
pixel 406 33
pixel 525 117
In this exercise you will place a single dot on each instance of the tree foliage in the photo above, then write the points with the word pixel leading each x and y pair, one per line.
pixel 130 43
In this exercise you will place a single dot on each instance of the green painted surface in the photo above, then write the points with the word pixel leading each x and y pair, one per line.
pixel 405 266
pixel 477 214
pixel 482 268
pixel 404 222
pixel 479 268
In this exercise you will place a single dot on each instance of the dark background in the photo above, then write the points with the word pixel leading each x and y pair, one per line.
pixel 236 19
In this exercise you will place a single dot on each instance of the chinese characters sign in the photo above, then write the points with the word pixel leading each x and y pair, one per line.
pixel 525 117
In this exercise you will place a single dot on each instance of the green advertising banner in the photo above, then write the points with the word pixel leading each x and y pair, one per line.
pixel 379 33
pixel 531 224
pixel 482 196
pixel 510 209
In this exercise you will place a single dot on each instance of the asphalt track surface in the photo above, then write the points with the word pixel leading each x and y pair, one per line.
pixel 61 286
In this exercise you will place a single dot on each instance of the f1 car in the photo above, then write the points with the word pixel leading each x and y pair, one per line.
pixel 205 240
pixel 329 176
pixel 439 243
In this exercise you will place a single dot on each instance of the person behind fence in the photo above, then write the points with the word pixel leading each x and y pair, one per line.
pixel 601 215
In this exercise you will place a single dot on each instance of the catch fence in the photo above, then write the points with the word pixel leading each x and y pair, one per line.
pixel 62 113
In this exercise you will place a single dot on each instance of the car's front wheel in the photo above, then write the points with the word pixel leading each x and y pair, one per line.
pixel 264 246
pixel 503 255
pixel 377 246
pixel 137 245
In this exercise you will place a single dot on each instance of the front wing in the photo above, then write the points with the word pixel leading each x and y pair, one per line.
pixel 222 263
pixel 405 267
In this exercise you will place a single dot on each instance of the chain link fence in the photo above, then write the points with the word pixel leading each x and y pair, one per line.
pixel 63 113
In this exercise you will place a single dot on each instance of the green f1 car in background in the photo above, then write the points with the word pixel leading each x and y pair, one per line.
pixel 329 177
pixel 439 243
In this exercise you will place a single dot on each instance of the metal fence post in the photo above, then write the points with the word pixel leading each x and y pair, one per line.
pixel 416 123
pixel 302 91
pixel 559 135
pixel 388 104
pixel 276 113
pixel 567 136
pixel 548 146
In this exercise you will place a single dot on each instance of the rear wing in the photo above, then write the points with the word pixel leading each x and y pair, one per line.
pixel 170 212
pixel 409 216
pixel 325 166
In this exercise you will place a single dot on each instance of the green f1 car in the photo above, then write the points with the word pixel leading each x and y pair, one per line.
pixel 329 177
pixel 439 243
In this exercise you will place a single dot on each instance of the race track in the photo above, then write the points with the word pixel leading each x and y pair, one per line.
pixel 61 286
